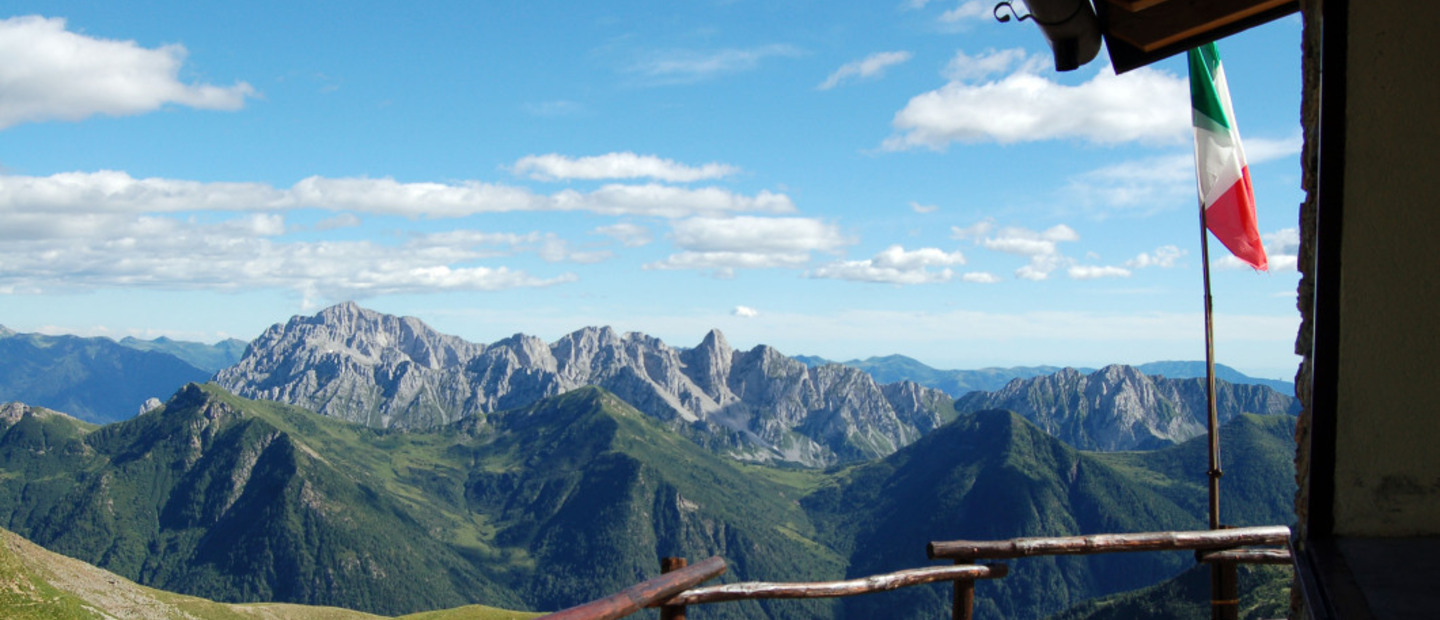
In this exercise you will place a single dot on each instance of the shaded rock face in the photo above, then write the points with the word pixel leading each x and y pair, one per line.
pixel 1120 408
pixel 392 372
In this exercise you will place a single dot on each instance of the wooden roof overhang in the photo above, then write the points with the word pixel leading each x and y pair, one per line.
pixel 1140 32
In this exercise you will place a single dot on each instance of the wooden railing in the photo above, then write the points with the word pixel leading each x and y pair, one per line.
pixel 674 590
pixel 1220 548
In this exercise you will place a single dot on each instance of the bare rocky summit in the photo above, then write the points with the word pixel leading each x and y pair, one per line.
pixel 395 372
pixel 1120 408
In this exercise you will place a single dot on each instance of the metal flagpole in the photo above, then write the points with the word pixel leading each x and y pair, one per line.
pixel 1211 421
pixel 1224 595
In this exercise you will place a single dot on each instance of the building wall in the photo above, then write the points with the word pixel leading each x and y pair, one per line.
pixel 1387 459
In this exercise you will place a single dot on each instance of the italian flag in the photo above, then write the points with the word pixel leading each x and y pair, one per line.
pixel 1226 195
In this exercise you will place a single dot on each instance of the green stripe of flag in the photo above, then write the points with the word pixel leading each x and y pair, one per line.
pixel 1205 61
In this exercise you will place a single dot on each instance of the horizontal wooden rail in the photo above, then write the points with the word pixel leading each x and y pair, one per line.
pixel 833 589
pixel 1246 556
pixel 970 550
pixel 643 594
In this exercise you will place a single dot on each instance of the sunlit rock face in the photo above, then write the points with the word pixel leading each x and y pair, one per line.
pixel 395 372
pixel 1120 408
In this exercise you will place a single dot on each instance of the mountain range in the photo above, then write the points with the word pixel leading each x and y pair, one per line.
pixel 363 460
pixel 1121 408
pixel 575 497
pixel 890 368
pixel 96 379
pixel 758 405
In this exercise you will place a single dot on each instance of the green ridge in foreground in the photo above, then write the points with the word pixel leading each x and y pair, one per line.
pixel 39 584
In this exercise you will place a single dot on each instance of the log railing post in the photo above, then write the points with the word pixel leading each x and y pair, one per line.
pixel 963 606
pixel 1224 593
pixel 650 592
pixel 672 612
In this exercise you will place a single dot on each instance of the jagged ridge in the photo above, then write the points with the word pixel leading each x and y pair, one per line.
pixel 392 372
pixel 1120 408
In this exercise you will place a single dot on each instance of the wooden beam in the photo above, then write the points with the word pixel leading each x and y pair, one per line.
pixel 832 589
pixel 1246 556
pixel 1135 5
pixel 644 594
pixel 1172 21
pixel 1108 543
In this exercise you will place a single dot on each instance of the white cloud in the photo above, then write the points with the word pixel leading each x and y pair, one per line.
pixel 724 264
pixel 1282 249
pixel 725 244
pixel 1161 182
pixel 745 312
pixel 895 265
pixel 1147 185
pixel 688 66
pixel 871 66
pixel 1144 105
pixel 967 10
pixel 919 208
pixel 1026 242
pixel 1163 257
pixel 629 235
pixel 973 232
pixel 963 67
pixel 50 73
pixel 343 220
pixel 106 193
pixel 1260 150
pixel 980 277
pixel 1091 272
pixel 1040 246
pixel 756 234
pixel 626 165
pixel 245 254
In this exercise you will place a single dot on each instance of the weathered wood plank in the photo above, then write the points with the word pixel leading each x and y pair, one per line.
pixel 833 589
pixel 670 565
pixel 644 594
pixel 1108 543
pixel 1246 556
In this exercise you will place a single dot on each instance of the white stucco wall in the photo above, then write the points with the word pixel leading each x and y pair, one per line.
pixel 1387 470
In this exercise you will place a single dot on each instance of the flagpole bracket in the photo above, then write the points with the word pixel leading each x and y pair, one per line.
pixel 1002 18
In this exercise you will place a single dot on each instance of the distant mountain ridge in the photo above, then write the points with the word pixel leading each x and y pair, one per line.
pixel 957 383
pixel 1121 408
pixel 209 357
pixel 94 379
pixel 396 372
pixel 1191 370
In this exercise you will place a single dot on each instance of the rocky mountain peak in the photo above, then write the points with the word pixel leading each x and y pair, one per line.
pixel 386 371
pixel 715 341
pixel 1120 408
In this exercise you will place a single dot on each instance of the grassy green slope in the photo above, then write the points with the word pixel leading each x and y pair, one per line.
pixel 43 585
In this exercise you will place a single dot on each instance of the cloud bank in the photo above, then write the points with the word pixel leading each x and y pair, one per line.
pixel 50 74
pixel 1144 105
pixel 627 165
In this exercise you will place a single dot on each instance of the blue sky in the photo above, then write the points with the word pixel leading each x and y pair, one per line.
pixel 900 177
